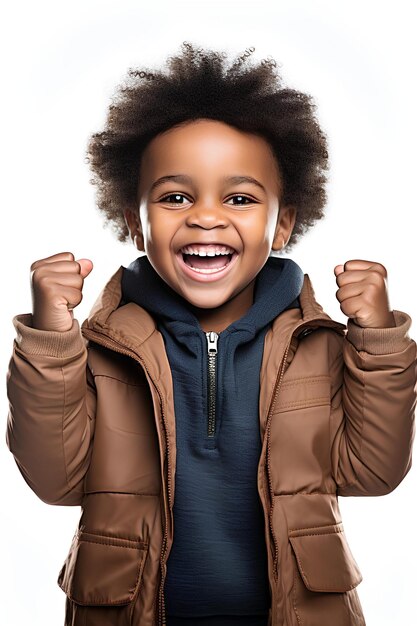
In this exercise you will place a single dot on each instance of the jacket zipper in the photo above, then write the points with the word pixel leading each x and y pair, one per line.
pixel 268 456
pixel 308 329
pixel 113 345
pixel 212 338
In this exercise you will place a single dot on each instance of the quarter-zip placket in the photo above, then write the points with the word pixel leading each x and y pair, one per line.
pixel 212 339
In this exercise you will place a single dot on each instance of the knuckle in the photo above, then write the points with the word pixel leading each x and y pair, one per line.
pixel 381 269
pixel 75 267
pixel 36 276
pixel 44 283
pixel 78 296
pixel 37 267
pixel 378 281
pixel 350 264
pixel 79 281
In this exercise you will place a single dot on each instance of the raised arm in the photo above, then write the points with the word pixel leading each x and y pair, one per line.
pixel 52 400
pixel 373 429
pixel 51 391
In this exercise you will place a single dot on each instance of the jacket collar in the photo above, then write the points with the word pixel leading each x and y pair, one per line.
pixel 122 324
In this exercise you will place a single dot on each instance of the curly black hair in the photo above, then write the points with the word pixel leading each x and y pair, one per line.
pixel 201 84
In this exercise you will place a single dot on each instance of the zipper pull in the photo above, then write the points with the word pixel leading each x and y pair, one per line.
pixel 212 338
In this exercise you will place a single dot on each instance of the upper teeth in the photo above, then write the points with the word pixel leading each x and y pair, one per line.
pixel 207 250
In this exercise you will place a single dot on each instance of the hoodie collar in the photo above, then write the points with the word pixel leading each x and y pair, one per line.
pixel 277 287
pixel 132 326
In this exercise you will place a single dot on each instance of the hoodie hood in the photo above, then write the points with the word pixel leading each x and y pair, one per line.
pixel 277 287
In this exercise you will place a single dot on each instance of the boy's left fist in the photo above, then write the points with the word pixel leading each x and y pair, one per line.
pixel 363 293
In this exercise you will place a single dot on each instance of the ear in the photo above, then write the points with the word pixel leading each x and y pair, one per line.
pixel 135 228
pixel 285 224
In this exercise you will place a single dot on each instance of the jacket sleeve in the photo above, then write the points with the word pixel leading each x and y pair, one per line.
pixel 372 448
pixel 52 402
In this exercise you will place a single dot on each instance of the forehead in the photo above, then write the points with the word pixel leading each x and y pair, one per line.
pixel 206 149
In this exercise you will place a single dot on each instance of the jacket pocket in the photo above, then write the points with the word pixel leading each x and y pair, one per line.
pixel 325 577
pixel 324 559
pixel 303 392
pixel 101 570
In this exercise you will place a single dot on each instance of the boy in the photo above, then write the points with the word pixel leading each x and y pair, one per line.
pixel 214 413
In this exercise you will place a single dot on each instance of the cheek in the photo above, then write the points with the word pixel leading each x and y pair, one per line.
pixel 160 232
pixel 152 228
pixel 256 230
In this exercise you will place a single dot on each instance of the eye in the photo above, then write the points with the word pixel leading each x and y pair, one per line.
pixel 174 198
pixel 242 200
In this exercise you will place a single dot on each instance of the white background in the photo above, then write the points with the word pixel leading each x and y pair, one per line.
pixel 60 63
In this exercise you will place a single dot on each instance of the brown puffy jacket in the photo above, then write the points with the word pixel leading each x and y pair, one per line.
pixel 92 423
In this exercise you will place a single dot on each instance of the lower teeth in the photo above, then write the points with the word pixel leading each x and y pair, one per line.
pixel 208 271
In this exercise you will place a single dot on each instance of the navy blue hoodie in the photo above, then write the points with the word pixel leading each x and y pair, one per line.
pixel 218 562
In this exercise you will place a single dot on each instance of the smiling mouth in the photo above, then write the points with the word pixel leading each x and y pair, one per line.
pixel 207 264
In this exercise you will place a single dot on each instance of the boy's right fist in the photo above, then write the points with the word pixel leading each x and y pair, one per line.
pixel 56 285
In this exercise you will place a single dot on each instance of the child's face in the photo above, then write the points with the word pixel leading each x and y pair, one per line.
pixel 205 206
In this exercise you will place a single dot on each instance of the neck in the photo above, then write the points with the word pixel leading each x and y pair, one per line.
pixel 219 318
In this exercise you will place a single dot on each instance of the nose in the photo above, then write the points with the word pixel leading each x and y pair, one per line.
pixel 207 215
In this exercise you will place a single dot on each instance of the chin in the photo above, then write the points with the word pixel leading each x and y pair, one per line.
pixel 205 303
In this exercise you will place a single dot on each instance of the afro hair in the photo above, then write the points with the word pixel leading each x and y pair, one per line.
pixel 197 84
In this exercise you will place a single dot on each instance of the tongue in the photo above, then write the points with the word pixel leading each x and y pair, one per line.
pixel 207 262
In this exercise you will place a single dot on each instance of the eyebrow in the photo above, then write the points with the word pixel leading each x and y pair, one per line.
pixel 183 178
